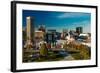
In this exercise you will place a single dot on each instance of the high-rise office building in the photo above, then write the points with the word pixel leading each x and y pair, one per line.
pixel 79 30
pixel 29 31
pixel 29 42
pixel 51 36
pixel 29 28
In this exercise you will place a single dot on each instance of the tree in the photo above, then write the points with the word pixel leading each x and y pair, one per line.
pixel 43 50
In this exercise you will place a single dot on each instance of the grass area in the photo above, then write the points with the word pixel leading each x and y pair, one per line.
pixel 77 56
pixel 50 57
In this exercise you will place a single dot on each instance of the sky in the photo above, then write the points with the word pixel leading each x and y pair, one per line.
pixel 59 20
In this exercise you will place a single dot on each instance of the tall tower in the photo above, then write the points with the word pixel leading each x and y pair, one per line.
pixel 29 44
pixel 29 32
pixel 29 28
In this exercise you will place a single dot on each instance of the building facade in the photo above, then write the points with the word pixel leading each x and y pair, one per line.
pixel 29 32
pixel 79 30
pixel 29 28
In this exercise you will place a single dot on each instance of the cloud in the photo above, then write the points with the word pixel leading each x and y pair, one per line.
pixel 72 15
pixel 82 22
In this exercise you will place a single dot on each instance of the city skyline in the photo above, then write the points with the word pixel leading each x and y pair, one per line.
pixel 59 20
